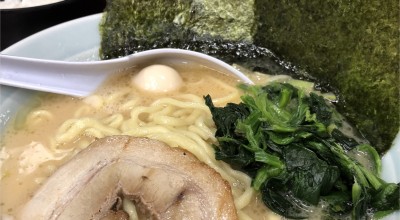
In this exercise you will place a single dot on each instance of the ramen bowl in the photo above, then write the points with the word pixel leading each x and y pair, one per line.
pixel 82 44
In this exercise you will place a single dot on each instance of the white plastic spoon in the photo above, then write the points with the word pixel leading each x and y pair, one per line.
pixel 83 78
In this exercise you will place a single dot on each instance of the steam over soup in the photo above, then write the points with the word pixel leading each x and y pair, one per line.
pixel 50 134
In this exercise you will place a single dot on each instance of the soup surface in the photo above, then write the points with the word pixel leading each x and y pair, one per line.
pixel 43 137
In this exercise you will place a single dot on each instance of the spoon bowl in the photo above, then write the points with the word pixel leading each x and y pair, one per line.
pixel 81 79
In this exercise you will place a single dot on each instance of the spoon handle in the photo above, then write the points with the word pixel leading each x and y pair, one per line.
pixel 70 78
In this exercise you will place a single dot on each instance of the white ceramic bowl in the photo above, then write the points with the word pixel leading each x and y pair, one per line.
pixel 79 40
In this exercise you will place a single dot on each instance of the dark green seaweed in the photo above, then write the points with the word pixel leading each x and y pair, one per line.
pixel 350 47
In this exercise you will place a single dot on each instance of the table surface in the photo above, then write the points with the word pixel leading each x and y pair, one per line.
pixel 17 24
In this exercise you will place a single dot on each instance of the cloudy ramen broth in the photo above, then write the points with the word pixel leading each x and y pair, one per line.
pixel 61 126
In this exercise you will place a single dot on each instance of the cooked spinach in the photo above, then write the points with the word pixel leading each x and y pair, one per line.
pixel 292 145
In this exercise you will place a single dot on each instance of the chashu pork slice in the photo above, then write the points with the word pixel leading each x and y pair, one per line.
pixel 170 183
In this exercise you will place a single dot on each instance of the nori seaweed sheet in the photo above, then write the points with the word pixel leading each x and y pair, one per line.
pixel 347 46
pixel 352 45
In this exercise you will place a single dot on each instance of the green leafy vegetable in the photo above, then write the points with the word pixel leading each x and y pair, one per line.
pixel 292 145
